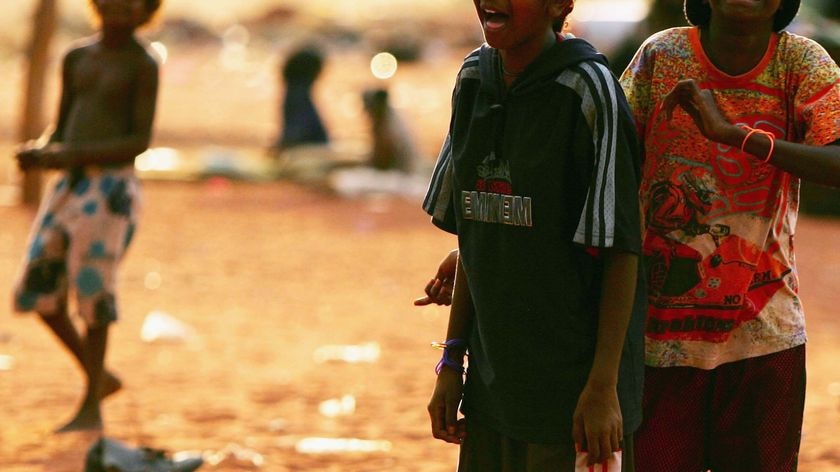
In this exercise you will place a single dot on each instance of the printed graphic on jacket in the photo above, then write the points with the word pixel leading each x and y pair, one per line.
pixel 493 200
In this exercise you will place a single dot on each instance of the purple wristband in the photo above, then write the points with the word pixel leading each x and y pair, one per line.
pixel 445 361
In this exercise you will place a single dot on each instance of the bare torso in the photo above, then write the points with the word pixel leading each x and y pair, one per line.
pixel 102 84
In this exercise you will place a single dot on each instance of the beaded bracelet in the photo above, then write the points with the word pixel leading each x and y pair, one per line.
pixel 750 131
pixel 445 361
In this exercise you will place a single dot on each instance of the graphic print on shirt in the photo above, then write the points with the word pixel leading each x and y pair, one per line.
pixel 704 277
pixel 493 201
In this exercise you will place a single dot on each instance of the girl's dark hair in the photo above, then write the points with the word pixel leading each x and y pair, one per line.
pixel 698 13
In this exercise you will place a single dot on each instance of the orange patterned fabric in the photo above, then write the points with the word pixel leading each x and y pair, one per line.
pixel 719 223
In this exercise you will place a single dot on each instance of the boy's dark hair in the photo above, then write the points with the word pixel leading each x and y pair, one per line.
pixel 151 7
pixel 699 13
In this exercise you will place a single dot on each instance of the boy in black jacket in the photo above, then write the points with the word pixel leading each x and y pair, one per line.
pixel 538 177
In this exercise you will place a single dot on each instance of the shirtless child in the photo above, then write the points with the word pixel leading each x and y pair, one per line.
pixel 86 221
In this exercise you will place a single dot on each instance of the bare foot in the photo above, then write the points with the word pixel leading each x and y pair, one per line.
pixel 87 419
pixel 111 384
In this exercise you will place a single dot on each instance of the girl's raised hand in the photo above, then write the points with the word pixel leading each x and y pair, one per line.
pixel 700 104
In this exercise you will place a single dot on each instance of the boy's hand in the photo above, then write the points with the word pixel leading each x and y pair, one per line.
pixel 439 289
pixel 54 156
pixel 28 158
pixel 443 407
pixel 51 156
pixel 700 104
pixel 597 423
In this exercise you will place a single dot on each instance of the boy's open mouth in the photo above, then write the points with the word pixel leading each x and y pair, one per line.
pixel 494 19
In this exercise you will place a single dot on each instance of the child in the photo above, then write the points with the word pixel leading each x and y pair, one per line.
pixel 538 179
pixel 732 112
pixel 109 89
pixel 393 149
pixel 302 124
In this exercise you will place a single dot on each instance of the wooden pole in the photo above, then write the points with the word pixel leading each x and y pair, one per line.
pixel 32 118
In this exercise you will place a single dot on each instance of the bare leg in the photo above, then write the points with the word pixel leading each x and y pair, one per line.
pixel 61 325
pixel 89 415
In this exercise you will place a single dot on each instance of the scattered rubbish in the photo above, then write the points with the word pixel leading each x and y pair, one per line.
pixel 153 280
pixel 6 362
pixel 344 406
pixel 160 159
pixel 235 455
pixel 230 163
pixel 162 327
pixel 340 445
pixel 352 354
pixel 109 455
pixel 359 181
pixel 277 425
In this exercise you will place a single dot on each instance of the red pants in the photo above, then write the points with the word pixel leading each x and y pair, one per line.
pixel 743 416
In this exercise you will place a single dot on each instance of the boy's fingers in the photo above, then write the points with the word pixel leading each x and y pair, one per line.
pixel 433 289
pixel 451 418
pixel 422 301
pixel 616 440
pixel 438 292
pixel 593 448
pixel 577 433
pixel 462 429
pixel 429 298
pixel 601 448
pixel 436 417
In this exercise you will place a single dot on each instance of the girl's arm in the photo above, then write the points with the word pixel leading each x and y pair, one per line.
pixel 819 164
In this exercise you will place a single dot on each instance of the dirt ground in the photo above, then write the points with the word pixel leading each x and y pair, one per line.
pixel 264 275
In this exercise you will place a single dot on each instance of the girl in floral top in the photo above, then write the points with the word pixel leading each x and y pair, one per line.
pixel 732 112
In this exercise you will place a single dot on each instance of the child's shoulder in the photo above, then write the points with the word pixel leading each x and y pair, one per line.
pixel 471 60
pixel 669 38
pixel 804 57
pixel 81 47
pixel 90 45
pixel 470 65
pixel 147 53
pixel 792 43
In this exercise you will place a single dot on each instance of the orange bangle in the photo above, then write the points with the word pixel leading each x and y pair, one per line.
pixel 768 134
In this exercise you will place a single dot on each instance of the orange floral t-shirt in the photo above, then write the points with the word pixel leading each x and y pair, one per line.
pixel 719 224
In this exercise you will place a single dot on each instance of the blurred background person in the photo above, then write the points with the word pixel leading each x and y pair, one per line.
pixel 300 120
pixel 392 146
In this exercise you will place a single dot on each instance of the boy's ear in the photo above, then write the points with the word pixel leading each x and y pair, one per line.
pixel 559 8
